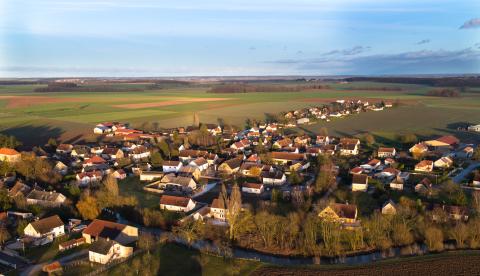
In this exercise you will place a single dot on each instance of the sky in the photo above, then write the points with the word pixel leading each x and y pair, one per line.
pixel 163 38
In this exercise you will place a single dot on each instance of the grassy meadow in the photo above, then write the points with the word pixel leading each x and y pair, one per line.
pixel 69 116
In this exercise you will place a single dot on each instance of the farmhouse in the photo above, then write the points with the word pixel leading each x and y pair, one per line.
pixel 231 166
pixel 475 128
pixel 151 175
pixel 397 183
pixel 9 155
pixel 186 183
pixel 346 214
pixel 85 178
pixel 218 209
pixel 171 166
pixel 349 149
pixel 444 162
pixel 419 148
pixel 389 208
pixel 51 226
pixel 103 229
pixel 252 188
pixel 273 178
pixel 424 166
pixel 200 163
pixel 104 251
pixel 386 152
pixel 285 157
pixel 176 203
pixel 44 198
pixel 360 182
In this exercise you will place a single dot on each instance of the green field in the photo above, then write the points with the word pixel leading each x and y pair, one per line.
pixel 69 116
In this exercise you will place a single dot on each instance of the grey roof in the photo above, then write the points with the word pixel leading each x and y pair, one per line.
pixel 102 246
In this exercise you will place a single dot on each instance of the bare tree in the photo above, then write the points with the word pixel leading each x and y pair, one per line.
pixel 233 211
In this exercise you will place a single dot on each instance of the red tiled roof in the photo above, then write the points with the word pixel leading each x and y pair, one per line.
pixel 449 139
pixel 98 226
pixel 360 178
pixel 389 150
pixel 174 200
pixel 287 156
pixel 8 151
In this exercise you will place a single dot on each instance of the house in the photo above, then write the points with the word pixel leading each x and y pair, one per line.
pixel 389 208
pixel 151 175
pixel 103 229
pixel 240 145
pixel 424 166
pixel 371 165
pixel 273 178
pixel 51 226
pixel 457 213
pixel 139 152
pixel 424 186
pixel 282 158
pixel 475 128
pixel 231 166
pixel 19 189
pixel 218 209
pixel 397 183
pixel 64 148
pixel 303 121
pixel 80 151
pixel 346 214
pixel 444 162
pixel 476 179
pixel 9 155
pixel 283 143
pixel 349 149
pixel 171 166
pixel 45 198
pixel 119 174
pixel 190 172
pixel 186 183
pixel 200 163
pixel 322 140
pixel 85 178
pixel 176 203
pixel 60 168
pixel 356 170
pixel 252 188
pixel 418 149
pixel 112 153
pixel 450 140
pixel 104 251
pixel 360 182
pixel 94 161
pixel 386 152
pixel 388 173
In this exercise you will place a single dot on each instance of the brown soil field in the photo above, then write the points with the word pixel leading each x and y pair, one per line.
pixel 26 101
pixel 449 265
pixel 168 103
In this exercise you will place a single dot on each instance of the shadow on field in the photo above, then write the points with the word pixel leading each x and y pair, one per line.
pixel 34 135
pixel 464 136
pixel 179 260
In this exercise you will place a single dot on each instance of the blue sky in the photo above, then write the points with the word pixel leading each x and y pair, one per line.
pixel 42 38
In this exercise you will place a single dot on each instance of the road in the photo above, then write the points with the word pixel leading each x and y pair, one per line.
pixel 36 269
pixel 465 172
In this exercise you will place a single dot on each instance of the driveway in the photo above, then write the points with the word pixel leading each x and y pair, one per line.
pixel 465 172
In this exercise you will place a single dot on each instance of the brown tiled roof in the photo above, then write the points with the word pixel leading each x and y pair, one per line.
pixel 174 200
pixel 234 163
pixel 449 139
pixel 7 151
pixel 345 210
pixel 171 163
pixel 360 178
pixel 45 225
pixel 389 150
pixel 287 156
pixel 216 203
pixel 104 229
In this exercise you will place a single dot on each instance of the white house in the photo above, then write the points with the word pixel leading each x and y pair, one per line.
pixel 171 166
pixel 252 188
pixel 45 198
pixel 386 152
pixel 200 163
pixel 475 128
pixel 218 209
pixel 273 178
pixel 397 184
pixel 360 182
pixel 151 175
pixel 51 226
pixel 389 208
pixel 302 121
pixel 104 251
pixel 176 203
pixel 444 162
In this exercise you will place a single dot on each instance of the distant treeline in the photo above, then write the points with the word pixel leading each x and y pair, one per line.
pixel 450 93
pixel 373 88
pixel 250 88
pixel 440 81
pixel 19 82
pixel 72 87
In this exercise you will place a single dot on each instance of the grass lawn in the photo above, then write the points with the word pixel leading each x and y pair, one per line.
pixel 50 251
pixel 178 260
pixel 131 186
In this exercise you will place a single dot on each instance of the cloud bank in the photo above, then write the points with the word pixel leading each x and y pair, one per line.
pixel 471 24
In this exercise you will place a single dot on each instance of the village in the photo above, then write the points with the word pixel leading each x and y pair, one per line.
pixel 211 174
